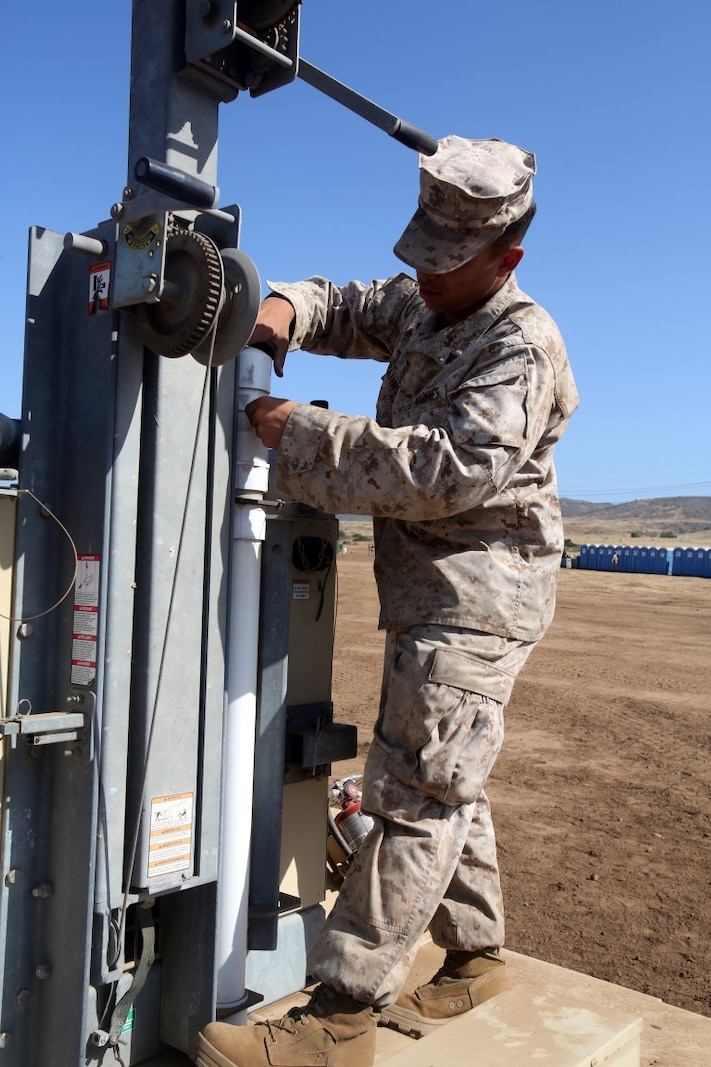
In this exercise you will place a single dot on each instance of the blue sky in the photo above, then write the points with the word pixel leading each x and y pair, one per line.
pixel 612 97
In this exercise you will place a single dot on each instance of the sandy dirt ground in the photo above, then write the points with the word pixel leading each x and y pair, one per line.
pixel 602 793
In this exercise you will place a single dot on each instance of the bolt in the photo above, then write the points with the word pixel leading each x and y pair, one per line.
pixel 43 971
pixel 226 26
pixel 205 9
pixel 128 193
pixel 117 210
pixel 25 630
pixel 5 1039
pixel 23 996
pixel 43 891
pixel 150 283
pixel 11 877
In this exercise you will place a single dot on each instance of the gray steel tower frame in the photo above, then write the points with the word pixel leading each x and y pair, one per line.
pixel 119 689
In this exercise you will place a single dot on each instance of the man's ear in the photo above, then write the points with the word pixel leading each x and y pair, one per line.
pixel 510 259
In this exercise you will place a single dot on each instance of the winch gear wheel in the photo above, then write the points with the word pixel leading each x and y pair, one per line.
pixel 238 316
pixel 175 327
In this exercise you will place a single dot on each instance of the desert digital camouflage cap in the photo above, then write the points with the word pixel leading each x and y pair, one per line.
pixel 470 191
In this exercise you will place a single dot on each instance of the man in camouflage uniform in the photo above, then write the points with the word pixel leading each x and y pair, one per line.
pixel 457 472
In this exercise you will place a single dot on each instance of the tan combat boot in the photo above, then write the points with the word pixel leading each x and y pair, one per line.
pixel 465 980
pixel 332 1030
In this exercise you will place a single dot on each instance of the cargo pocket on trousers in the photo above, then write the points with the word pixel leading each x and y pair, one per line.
pixel 444 742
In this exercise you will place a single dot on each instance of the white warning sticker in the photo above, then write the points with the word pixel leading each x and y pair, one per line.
pixel 170 842
pixel 300 589
pixel 86 620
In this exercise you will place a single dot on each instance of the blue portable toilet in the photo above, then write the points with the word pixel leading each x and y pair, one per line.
pixel 616 561
pixel 677 560
pixel 667 565
pixel 635 559
pixel 627 558
pixel 700 561
pixel 583 557
pixel 663 561
pixel 687 562
pixel 654 559
pixel 644 559
pixel 592 557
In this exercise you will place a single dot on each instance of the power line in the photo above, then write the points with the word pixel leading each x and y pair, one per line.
pixel 648 491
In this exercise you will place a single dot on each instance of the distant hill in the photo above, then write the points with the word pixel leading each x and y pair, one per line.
pixel 684 520
pixel 683 514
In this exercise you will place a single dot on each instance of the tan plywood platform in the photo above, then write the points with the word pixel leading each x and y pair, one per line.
pixel 523 1027
pixel 551 1017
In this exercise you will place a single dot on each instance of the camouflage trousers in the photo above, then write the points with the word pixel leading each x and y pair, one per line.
pixel 430 859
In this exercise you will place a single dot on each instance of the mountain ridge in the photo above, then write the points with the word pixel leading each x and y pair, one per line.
pixel 685 514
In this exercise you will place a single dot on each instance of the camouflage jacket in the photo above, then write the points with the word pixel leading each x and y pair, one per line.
pixel 457 467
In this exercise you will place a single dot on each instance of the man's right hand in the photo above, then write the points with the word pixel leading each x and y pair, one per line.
pixel 274 329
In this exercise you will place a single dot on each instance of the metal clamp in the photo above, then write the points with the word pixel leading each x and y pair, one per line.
pixel 51 727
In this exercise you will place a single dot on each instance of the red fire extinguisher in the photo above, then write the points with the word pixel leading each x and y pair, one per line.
pixel 352 823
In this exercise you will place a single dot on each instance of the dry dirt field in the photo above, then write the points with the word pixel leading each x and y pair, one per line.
pixel 602 793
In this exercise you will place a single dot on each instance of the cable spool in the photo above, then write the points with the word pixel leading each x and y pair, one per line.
pixel 194 292
pixel 208 304
pixel 238 314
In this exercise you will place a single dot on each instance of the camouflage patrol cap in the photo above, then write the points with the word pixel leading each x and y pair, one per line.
pixel 470 191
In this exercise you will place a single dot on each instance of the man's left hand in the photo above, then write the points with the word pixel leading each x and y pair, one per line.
pixel 268 415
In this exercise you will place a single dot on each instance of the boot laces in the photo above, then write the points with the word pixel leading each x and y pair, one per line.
pixel 294 1015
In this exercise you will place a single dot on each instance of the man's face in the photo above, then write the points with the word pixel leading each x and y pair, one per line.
pixel 460 292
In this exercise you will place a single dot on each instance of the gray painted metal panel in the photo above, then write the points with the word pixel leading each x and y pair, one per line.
pixel 108 445
pixel 52 794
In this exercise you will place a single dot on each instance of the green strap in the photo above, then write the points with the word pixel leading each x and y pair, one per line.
pixel 148 955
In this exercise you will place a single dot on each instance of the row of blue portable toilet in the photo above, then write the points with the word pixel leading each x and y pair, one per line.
pixel 643 559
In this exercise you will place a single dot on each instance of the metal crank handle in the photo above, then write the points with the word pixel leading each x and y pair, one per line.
pixel 176 183
pixel 404 132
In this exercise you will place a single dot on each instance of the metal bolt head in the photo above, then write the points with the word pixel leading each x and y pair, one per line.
pixel 43 891
pixel 11 877
pixel 117 210
pixel 25 630
pixel 23 997
pixel 5 1039
pixel 43 971
pixel 226 26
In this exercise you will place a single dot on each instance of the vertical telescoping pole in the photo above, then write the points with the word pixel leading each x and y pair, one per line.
pixel 251 482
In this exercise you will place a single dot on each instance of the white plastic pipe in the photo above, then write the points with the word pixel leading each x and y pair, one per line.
pixel 251 482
